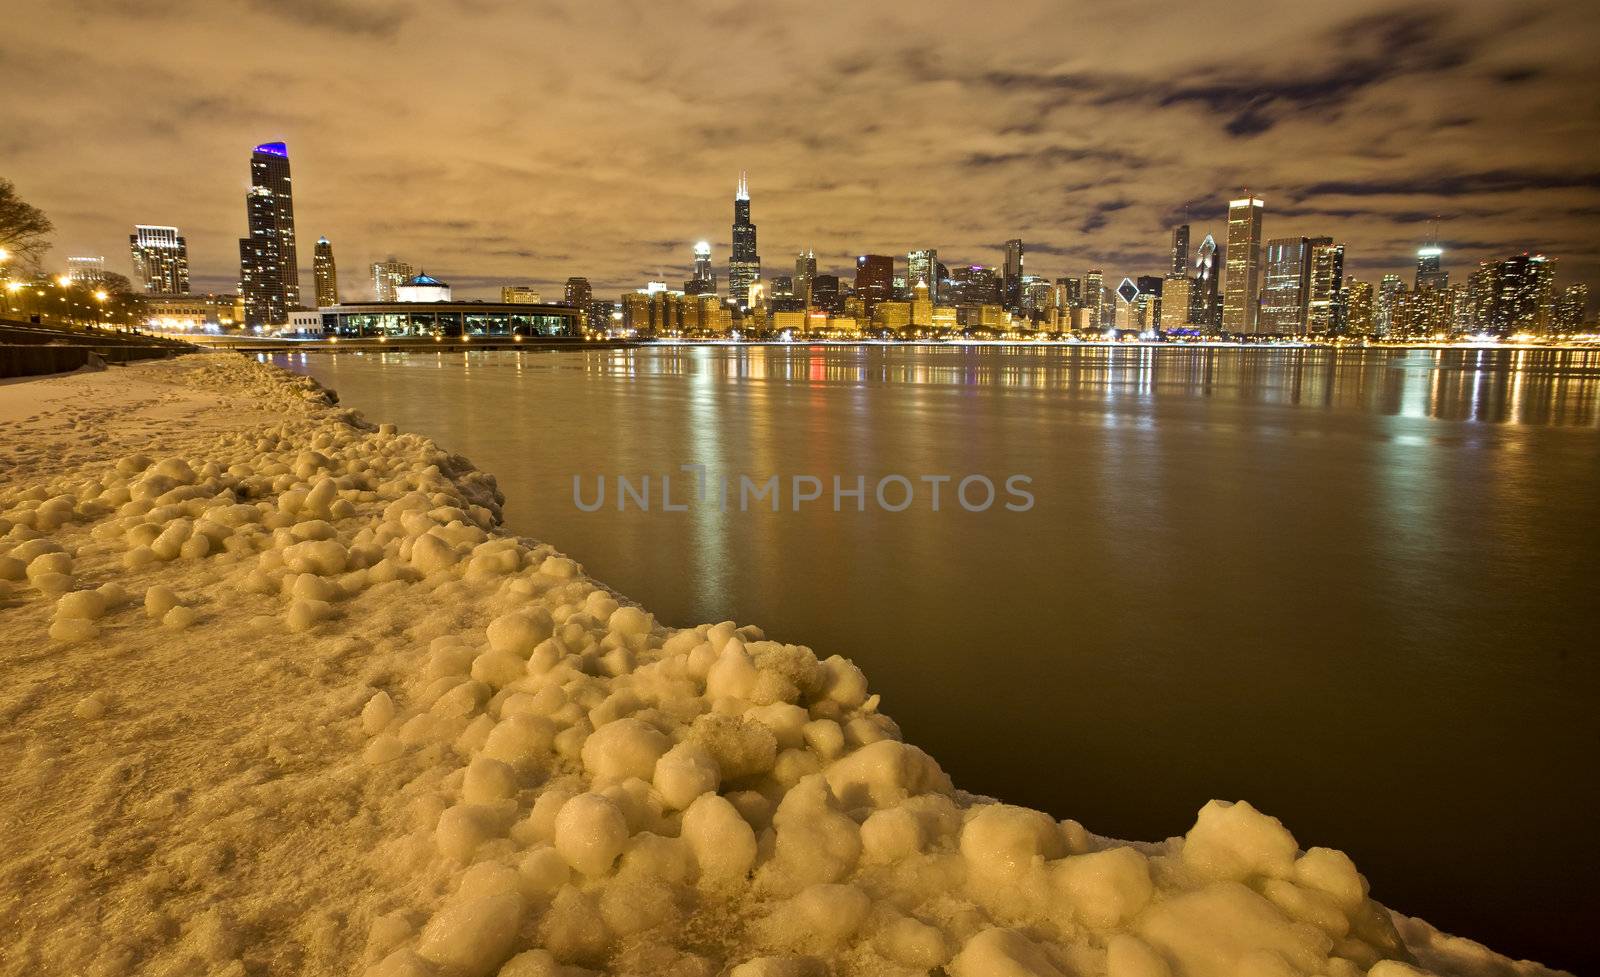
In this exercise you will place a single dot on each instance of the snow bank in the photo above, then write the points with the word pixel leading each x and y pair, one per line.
pixel 541 779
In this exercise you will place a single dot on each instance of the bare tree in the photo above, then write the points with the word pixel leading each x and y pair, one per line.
pixel 24 229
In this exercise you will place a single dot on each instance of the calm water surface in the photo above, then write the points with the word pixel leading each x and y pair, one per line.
pixel 1356 588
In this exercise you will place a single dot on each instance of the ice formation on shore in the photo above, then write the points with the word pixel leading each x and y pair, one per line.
pixel 584 790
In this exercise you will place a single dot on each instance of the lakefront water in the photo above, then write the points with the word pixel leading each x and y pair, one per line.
pixel 1356 588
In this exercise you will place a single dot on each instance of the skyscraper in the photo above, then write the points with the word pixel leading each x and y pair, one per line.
pixel 1391 292
pixel 1177 302
pixel 1358 307
pixel 1287 293
pixel 1515 294
pixel 1094 290
pixel 388 275
pixel 702 280
pixel 325 273
pixel 160 259
pixel 744 263
pixel 269 270
pixel 1204 307
pixel 1572 307
pixel 1243 285
pixel 805 272
pixel 1011 276
pixel 1325 296
pixel 874 280
pixel 923 266
pixel 1180 250
pixel 577 294
pixel 1430 274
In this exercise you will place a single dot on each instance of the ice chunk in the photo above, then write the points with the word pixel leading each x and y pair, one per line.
pixel 488 780
pixel 88 605
pixel 723 843
pixel 883 774
pixel 377 713
pixel 684 773
pixel 1235 841
pixel 997 952
pixel 158 600
pixel 590 833
pixel 623 749
pixel 1001 843
pixel 1105 888
pixel 473 935
pixel 520 632
pixel 826 913
pixel 912 943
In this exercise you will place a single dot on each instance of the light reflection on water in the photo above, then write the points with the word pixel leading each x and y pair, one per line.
pixel 1351 586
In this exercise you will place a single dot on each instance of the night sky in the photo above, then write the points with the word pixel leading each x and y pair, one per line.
pixel 499 142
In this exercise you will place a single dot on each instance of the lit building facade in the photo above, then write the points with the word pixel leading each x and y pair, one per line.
pixel 1205 303
pixel 388 275
pixel 325 274
pixel 160 259
pixel 86 270
pixel 1242 287
pixel 1513 295
pixel 1177 302
pixel 1430 268
pixel 1359 311
pixel 744 262
pixel 923 266
pixel 874 280
pixel 702 280
pixel 269 271
pixel 1094 298
pixel 1180 250
pixel 1325 296
pixel 520 295
pixel 1287 286
pixel 1391 293
pixel 805 273
pixel 1011 273
pixel 452 320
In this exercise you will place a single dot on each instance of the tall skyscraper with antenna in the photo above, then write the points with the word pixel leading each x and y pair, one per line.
pixel 744 263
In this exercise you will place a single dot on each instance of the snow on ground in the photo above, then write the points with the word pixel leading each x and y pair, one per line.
pixel 278 697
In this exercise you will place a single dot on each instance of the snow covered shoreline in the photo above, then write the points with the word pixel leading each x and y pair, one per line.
pixel 279 697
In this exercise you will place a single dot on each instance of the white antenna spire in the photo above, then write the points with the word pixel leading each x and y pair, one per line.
pixel 744 186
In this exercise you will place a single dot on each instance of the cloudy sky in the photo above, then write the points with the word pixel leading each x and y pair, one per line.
pixel 495 141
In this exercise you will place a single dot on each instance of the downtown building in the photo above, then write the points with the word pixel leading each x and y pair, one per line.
pixel 269 271
pixel 160 259
pixel 325 274
pixel 1513 295
pixel 387 277
pixel 1242 285
pixel 744 262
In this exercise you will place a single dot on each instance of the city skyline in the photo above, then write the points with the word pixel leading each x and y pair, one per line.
pixel 1479 117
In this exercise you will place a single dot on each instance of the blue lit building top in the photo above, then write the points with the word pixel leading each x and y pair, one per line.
pixel 274 149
